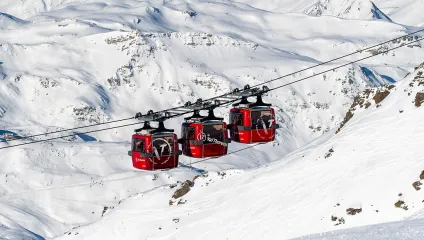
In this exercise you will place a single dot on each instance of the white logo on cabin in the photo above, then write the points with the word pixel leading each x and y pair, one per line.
pixel 261 124
pixel 160 145
pixel 203 137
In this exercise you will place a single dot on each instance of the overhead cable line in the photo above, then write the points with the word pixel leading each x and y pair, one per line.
pixel 223 95
pixel 230 153
pixel 98 130
pixel 219 104
pixel 341 57
pixel 71 129
pixel 343 65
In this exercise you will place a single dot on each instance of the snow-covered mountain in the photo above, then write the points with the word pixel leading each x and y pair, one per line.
pixel 70 63
pixel 404 12
pixel 349 9
pixel 8 21
pixel 356 177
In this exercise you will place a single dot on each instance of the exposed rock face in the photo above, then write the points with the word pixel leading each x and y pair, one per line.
pixel 417 185
pixel 353 211
pixel 364 100
pixel 185 188
pixel 380 96
pixel 419 98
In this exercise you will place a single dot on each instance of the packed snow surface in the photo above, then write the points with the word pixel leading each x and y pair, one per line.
pixel 409 229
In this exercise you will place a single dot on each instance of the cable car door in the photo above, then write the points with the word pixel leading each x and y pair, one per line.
pixel 213 139
pixel 262 125
pixel 236 120
pixel 189 134
pixel 163 151
pixel 138 152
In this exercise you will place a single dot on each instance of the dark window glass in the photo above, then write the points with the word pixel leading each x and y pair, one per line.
pixel 261 119
pixel 189 133
pixel 183 132
pixel 213 133
pixel 163 146
pixel 236 119
pixel 138 145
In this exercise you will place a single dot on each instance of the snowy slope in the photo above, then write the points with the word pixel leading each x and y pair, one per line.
pixel 9 22
pixel 27 8
pixel 346 9
pixel 408 12
pixel 71 63
pixel 362 175
pixel 280 6
pixel 409 229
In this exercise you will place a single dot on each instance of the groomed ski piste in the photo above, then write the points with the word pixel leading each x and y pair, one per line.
pixel 408 229
pixel 65 64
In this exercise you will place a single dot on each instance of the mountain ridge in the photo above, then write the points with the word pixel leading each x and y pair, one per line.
pixel 76 63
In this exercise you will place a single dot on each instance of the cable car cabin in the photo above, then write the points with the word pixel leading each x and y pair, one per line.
pixel 154 148
pixel 204 136
pixel 252 122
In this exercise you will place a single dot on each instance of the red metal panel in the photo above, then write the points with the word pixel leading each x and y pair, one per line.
pixel 217 149
pixel 236 133
pixel 138 161
pixel 212 150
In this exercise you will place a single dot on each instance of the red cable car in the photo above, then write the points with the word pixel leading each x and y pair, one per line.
pixel 204 136
pixel 154 148
pixel 252 122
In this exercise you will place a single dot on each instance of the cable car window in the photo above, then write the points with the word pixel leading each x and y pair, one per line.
pixel 261 119
pixel 163 146
pixel 237 119
pixel 213 133
pixel 189 133
pixel 138 145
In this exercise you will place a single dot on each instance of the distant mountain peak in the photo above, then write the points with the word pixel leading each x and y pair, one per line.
pixel 348 9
